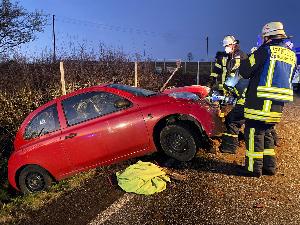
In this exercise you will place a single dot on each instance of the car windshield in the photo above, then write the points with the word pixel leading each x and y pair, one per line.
pixel 133 90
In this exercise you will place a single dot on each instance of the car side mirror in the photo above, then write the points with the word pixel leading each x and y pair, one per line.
pixel 123 103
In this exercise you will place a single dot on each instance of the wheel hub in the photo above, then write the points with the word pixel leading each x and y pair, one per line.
pixel 177 142
pixel 35 182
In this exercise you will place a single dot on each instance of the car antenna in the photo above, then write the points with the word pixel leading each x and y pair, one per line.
pixel 178 63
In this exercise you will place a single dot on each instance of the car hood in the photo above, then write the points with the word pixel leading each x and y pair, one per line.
pixel 201 91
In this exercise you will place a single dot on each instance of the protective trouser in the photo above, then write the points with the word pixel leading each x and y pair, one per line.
pixel 275 137
pixel 233 122
pixel 260 154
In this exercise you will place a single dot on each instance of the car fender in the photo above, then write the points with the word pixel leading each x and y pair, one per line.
pixel 18 160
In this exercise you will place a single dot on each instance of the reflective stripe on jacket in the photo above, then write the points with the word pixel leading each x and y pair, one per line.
pixel 226 65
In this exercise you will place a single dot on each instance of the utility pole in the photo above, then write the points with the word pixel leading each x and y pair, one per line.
pixel 198 73
pixel 53 34
pixel 207 47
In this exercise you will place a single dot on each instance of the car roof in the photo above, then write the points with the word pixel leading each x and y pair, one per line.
pixel 81 90
pixel 104 87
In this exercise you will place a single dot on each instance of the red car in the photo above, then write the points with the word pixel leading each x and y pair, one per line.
pixel 101 125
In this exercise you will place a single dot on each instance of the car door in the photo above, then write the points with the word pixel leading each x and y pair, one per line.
pixel 127 133
pixel 42 139
pixel 84 136
pixel 88 134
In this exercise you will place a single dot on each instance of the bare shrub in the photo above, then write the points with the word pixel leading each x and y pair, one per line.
pixel 27 84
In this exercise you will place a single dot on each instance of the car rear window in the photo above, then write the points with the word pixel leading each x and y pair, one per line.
pixel 43 123
pixel 133 90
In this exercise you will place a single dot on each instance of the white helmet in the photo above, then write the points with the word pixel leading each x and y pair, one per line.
pixel 229 40
pixel 273 29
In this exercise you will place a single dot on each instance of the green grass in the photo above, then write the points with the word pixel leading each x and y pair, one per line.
pixel 14 208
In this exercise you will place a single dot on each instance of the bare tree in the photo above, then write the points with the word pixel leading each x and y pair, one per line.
pixel 17 26
pixel 190 56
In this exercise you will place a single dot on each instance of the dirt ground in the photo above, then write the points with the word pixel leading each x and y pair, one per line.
pixel 213 193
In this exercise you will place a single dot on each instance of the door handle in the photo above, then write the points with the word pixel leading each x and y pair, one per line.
pixel 71 135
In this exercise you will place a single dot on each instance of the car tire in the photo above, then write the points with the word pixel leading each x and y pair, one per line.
pixel 33 179
pixel 177 141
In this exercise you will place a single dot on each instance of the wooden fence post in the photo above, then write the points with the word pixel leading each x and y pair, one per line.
pixel 136 74
pixel 62 78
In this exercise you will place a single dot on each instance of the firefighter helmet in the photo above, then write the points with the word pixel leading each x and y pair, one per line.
pixel 229 40
pixel 273 29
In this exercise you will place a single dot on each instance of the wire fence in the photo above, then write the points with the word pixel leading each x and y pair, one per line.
pixel 24 87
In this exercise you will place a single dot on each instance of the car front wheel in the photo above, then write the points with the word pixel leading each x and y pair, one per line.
pixel 177 141
pixel 33 179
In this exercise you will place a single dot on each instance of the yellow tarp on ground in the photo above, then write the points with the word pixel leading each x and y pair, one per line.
pixel 143 178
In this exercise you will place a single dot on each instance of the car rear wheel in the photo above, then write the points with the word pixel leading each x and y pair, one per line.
pixel 33 179
pixel 177 141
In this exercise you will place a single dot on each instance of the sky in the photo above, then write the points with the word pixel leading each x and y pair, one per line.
pixel 160 29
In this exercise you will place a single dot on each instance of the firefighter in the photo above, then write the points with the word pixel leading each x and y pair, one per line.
pixel 226 63
pixel 237 87
pixel 273 131
pixel 269 69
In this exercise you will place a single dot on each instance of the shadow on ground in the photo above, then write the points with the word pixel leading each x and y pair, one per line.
pixel 199 163
pixel 78 206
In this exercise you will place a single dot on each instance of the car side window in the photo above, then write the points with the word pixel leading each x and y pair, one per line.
pixel 91 105
pixel 43 123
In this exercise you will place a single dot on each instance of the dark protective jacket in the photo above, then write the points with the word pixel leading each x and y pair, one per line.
pixel 219 70
pixel 239 90
pixel 270 69
pixel 226 65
